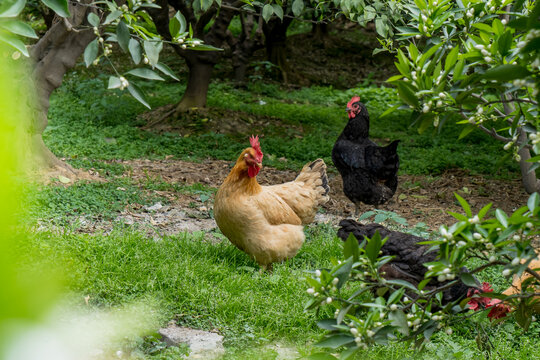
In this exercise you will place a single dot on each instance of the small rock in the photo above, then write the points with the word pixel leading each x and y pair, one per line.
pixel 203 208
pixel 154 207
pixel 203 344
pixel 282 159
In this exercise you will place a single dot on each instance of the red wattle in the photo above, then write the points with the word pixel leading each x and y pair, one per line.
pixel 253 171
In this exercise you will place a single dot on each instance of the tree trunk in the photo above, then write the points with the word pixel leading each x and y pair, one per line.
pixel 530 182
pixel 275 33
pixel 319 31
pixel 200 63
pixel 54 54
pixel 200 74
pixel 246 44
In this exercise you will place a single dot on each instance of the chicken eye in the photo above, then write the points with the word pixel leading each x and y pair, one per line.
pixel 246 155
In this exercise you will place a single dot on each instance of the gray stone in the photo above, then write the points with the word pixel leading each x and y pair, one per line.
pixel 202 344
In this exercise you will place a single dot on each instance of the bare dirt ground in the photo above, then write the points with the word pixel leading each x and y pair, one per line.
pixel 418 199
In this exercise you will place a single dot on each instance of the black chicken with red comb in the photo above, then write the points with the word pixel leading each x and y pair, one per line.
pixel 369 171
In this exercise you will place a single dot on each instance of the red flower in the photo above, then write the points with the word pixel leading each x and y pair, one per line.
pixel 498 308
pixel 479 303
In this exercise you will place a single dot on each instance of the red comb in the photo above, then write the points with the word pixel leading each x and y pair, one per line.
pixel 254 141
pixel 354 99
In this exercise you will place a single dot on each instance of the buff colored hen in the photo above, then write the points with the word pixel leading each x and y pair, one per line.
pixel 267 222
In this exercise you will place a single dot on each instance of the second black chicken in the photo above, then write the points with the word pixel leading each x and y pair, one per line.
pixel 409 256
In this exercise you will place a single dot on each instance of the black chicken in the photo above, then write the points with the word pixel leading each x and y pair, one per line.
pixel 369 171
pixel 409 256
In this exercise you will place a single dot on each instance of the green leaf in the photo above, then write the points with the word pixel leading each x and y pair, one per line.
pixel 93 19
pixel 483 27
pixel 506 72
pixel 91 52
pixel 152 50
pixel 406 94
pixel 458 70
pixel 122 35
pixel 11 8
pixel 350 248
pixel 464 205
pixel 278 10
pixel 297 7
pixel 113 15
pixel 484 210
pixel 145 74
pixel 399 320
pixel 344 272
pixel 137 93
pixel 373 247
pixel 342 313
pixel 174 25
pixel 533 202
pixel 402 283
pixel 267 12
pixel 451 59
pixel 60 7
pixel 505 43
pixel 205 4
pixel 335 341
pixel 135 50
pixel 423 283
pixel 428 54
pixel 466 131
pixel 327 324
pixel 502 217
pixel 167 71
pixel 468 279
pixel 15 43
pixel 114 82
pixel 19 28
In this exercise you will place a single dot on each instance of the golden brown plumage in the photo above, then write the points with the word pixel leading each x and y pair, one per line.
pixel 267 222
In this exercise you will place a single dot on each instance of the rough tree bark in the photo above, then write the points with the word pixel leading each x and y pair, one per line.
pixel 275 33
pixel 246 44
pixel 200 63
pixel 530 182
pixel 54 54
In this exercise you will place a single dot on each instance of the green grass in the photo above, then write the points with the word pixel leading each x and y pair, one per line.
pixel 210 285
pixel 82 128
pixel 100 200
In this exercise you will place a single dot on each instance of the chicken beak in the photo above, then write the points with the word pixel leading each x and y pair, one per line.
pixel 259 165
pixel 348 109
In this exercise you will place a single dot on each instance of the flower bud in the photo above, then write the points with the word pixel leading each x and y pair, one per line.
pixel 311 291
pixel 448 331
pixel 318 273
pixel 393 307
pixel 506 272
pixel 515 261
pixel 492 258
pixel 354 331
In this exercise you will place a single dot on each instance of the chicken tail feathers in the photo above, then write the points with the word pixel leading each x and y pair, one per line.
pixel 315 173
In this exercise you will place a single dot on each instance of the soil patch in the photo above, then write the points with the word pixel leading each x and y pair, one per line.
pixel 418 198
